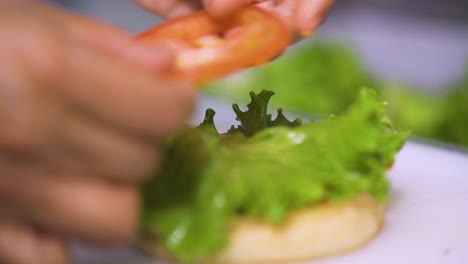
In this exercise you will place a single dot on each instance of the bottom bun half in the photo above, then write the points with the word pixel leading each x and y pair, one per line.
pixel 324 230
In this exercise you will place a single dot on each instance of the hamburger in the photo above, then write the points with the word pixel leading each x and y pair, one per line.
pixel 271 190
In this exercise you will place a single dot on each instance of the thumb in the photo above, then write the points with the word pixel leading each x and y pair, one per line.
pixel 222 8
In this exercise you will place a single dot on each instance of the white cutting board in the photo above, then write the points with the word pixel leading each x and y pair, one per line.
pixel 426 220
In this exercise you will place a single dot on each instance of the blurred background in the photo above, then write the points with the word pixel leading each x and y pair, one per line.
pixel 414 53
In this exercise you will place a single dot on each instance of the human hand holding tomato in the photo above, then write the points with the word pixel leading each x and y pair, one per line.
pixel 81 120
pixel 229 35
pixel 301 16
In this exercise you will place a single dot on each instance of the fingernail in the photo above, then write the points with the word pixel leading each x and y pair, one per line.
pixel 309 28
pixel 306 34
pixel 311 14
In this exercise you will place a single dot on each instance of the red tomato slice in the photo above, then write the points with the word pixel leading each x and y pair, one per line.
pixel 208 49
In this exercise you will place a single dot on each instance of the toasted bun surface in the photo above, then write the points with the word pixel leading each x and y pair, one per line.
pixel 320 231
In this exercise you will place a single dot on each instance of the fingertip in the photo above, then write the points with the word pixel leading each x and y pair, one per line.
pixel 308 29
pixel 88 212
pixel 156 58
pixel 20 243
pixel 124 226
pixel 311 15
pixel 306 34
pixel 181 99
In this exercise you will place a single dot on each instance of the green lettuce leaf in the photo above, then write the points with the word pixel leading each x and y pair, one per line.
pixel 321 77
pixel 257 118
pixel 318 77
pixel 265 171
pixel 453 126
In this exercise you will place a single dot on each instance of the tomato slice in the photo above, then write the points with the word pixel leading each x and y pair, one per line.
pixel 208 48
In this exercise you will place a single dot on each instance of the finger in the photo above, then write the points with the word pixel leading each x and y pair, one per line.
pixel 77 207
pixel 112 40
pixel 125 98
pixel 20 244
pixel 18 111
pixel 85 147
pixel 222 8
pixel 285 10
pixel 107 39
pixel 169 8
pixel 311 14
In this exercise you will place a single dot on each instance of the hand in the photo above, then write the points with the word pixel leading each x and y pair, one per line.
pixel 302 16
pixel 81 118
